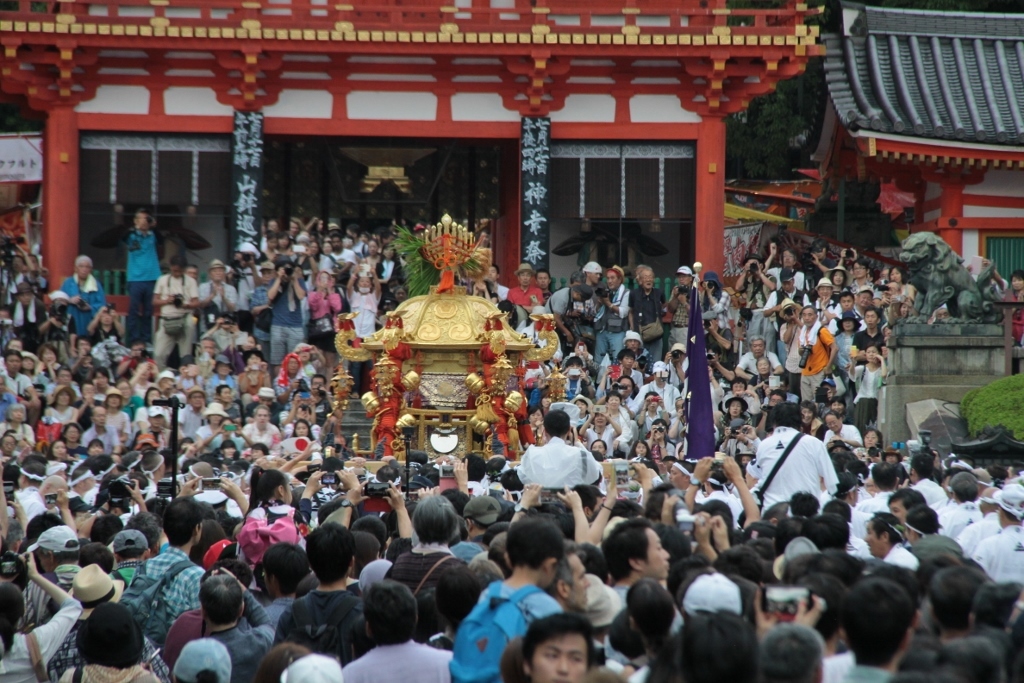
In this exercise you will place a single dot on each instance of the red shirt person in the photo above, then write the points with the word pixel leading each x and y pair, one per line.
pixel 527 294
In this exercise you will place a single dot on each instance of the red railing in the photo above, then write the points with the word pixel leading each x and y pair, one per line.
pixel 539 16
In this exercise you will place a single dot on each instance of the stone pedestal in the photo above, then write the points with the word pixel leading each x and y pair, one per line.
pixel 940 362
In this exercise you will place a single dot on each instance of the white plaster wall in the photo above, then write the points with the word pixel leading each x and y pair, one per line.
pixel 1000 184
pixel 392 106
pixel 972 247
pixel 659 109
pixel 194 102
pixel 301 104
pixel 992 212
pixel 117 99
pixel 586 109
pixel 468 106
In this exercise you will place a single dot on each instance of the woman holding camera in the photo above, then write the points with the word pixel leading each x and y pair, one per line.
pixel 25 655
pixel 105 325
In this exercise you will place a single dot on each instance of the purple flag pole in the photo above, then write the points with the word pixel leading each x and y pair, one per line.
pixel 699 410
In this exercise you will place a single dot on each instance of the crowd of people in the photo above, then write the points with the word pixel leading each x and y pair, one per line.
pixel 806 550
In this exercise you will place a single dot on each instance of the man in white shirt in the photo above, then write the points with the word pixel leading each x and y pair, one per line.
pixel 974 534
pixel 558 464
pixel 886 478
pixel 216 292
pixel 837 431
pixel 659 386
pixel 1002 555
pixel 99 430
pixel 747 366
pixel 33 474
pixel 963 511
pixel 922 467
pixel 807 468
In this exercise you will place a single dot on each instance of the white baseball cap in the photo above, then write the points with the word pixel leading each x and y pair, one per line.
pixel 684 270
pixel 633 336
pixel 593 267
pixel 713 593
pixel 166 374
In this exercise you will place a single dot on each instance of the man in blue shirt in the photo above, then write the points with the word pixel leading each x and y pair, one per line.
pixel 143 271
pixel 286 294
pixel 87 295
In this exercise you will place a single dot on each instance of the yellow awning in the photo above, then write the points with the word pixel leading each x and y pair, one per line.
pixel 737 212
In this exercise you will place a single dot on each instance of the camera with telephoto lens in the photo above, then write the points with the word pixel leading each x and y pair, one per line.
pixel 754 267
pixel 601 292
pixel 377 489
pixel 11 565
pixel 59 310
pixel 120 488
pixel 289 269
pixel 805 355
pixel 179 300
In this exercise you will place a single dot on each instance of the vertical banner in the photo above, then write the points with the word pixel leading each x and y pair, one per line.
pixel 535 181
pixel 698 406
pixel 247 176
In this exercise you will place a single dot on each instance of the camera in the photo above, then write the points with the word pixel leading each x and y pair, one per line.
pixel 289 269
pixel 601 292
pixel 165 488
pixel 51 499
pixel 784 601
pixel 754 267
pixel 120 504
pixel 11 565
pixel 447 471
pixel 677 354
pixel 59 309
pixel 8 488
pixel 211 483
pixel 805 355
pixel 711 355
pixel 120 488
pixel 329 479
pixel 377 489
pixel 179 300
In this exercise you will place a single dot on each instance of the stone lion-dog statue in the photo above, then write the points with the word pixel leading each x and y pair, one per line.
pixel 939 275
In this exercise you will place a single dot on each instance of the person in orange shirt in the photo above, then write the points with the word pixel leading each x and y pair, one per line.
pixel 818 351
pixel 527 294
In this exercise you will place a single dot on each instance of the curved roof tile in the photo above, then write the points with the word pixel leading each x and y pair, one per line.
pixel 943 75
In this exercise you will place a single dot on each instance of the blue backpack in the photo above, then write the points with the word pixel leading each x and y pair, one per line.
pixel 483 635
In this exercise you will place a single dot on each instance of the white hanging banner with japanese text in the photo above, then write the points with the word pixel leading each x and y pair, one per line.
pixel 247 176
pixel 21 160
pixel 535 183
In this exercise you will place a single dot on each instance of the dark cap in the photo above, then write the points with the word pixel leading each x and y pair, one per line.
pixel 110 637
pixel 787 274
pixel 483 510
pixel 282 261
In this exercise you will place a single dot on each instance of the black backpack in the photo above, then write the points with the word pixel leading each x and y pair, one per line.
pixel 328 638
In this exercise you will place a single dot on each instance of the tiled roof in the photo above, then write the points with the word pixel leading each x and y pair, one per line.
pixel 942 75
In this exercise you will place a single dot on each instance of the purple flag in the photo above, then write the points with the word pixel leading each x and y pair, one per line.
pixel 700 420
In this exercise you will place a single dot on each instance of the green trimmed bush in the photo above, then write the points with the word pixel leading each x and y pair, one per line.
pixel 1000 403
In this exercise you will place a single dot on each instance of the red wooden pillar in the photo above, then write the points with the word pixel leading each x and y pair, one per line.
pixel 951 205
pixel 709 238
pixel 60 193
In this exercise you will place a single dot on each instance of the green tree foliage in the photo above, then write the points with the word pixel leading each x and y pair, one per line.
pixel 11 121
pixel 999 403
pixel 769 136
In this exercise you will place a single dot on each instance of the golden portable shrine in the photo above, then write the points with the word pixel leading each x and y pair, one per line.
pixel 447 365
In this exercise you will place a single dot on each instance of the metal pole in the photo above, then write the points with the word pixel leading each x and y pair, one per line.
pixel 173 403
pixel 841 212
